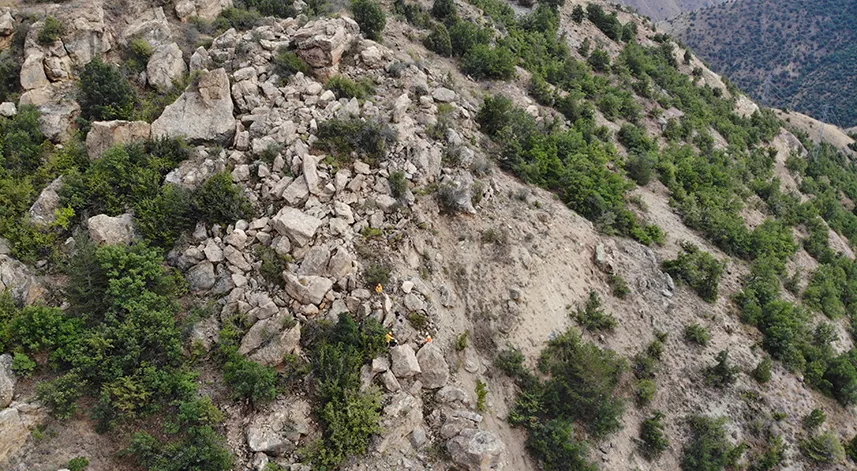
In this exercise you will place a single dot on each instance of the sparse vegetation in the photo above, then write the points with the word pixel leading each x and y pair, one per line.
pixel 721 374
pixel 654 441
pixel 700 270
pixel 708 448
pixel 697 334
pixel 762 372
pixel 52 30
pixel 823 448
pixel 592 317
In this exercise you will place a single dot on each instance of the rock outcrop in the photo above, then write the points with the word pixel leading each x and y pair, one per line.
pixel 434 369
pixel 109 230
pixel 477 450
pixel 203 113
pixel 321 43
pixel 105 134
pixel 43 210
pixel 205 9
pixel 16 278
pixel 166 65
pixel 7 380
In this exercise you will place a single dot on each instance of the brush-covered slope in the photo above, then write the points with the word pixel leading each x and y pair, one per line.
pixel 439 235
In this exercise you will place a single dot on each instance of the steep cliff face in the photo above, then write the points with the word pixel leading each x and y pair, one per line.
pixel 498 238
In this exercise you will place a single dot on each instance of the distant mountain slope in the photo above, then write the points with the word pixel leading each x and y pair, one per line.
pixel 663 9
pixel 799 54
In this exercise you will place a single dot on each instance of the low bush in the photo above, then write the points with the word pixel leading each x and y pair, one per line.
pixel 22 365
pixel 273 264
pixel 239 18
pixel 219 201
pixel 52 30
pixel 105 93
pixel 367 139
pixel 697 334
pixel 444 10
pixel 620 286
pixel 344 87
pixel 823 448
pixel 645 391
pixel 592 317
pixel 708 448
pixel 814 419
pixel 77 464
pixel 762 372
pixel 699 269
pixel 398 184
pixel 250 380
pixel 721 374
pixel 653 441
pixel 484 62
pixel 599 60
pixel 774 454
pixel 556 446
pixel 641 167
pixel 287 64
pixel 61 395
pixel 370 17
pixel 464 36
pixel 438 40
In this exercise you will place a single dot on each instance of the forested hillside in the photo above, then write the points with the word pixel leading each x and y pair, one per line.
pixel 798 54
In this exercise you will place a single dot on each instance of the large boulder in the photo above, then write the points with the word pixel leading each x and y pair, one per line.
pixel 16 423
pixel 307 289
pixel 17 279
pixel 401 417
pixel 165 66
pixel 7 380
pixel 43 210
pixel 203 113
pixel 279 430
pixel 33 71
pixel 477 450
pixel 205 9
pixel 270 339
pixel 322 42
pixel 405 363
pixel 296 225
pixel 106 134
pixel 201 276
pixel 109 230
pixel 435 371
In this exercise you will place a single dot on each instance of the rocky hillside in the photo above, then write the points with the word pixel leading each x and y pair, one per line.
pixel 664 9
pixel 795 54
pixel 272 236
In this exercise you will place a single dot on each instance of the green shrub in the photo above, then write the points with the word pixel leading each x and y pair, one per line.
pixel 653 440
pixel 398 184
pixel 823 448
pixel 368 139
pixel 219 201
pixel 61 395
pixel 273 264
pixel 697 334
pixel 708 448
pixel 577 14
pixel 139 52
pixel 699 269
pixel 377 274
pixel 10 73
pixel 465 35
pixel 461 341
pixel 620 287
pixel 50 32
pixel 851 449
pixel 511 362
pixel 105 93
pixel 481 394
pixel 287 64
pixel 444 10
pixel 250 380
pixel 599 60
pixel 541 91
pixel 370 17
pixel 640 167
pixel 592 317
pixel 41 328
pixel 78 464
pixel 277 8
pixel 22 365
pixel 814 419
pixel 438 40
pixel 238 18
pixel 484 62
pixel 721 374
pixel 349 416
pixel 344 87
pixel 582 384
pixel 557 447
pixel 762 372
pixel 414 13
pixel 773 455
pixel 645 391
pixel 162 219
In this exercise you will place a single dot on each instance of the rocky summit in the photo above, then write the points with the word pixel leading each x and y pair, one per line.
pixel 410 235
